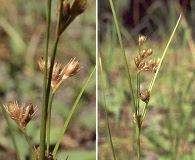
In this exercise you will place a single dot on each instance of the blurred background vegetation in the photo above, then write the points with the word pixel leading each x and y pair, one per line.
pixel 168 129
pixel 22 43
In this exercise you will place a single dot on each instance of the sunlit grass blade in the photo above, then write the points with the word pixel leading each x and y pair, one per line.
pixel 105 107
pixel 157 71
pixel 70 115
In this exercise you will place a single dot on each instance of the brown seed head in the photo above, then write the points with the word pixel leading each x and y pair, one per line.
pixel 148 52
pixel 145 96
pixel 78 7
pixel 41 64
pixel 65 10
pixel 142 53
pixel 141 39
pixel 141 65
pixel 64 15
pixel 151 63
pixel 21 115
pixel 155 67
pixel 71 68
pixel 57 74
pixel 61 73
pixel 138 60
pixel 144 68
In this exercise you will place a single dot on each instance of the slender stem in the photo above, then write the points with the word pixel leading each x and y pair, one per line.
pixel 137 116
pixel 138 93
pixel 138 142
pixel 105 106
pixel 123 53
pixel 54 52
pixel 45 99
pixel 70 115
pixel 29 143
pixel 138 86
pixel 49 121
pixel 10 130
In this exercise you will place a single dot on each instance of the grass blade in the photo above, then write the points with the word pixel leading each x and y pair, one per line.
pixel 163 55
pixel 70 115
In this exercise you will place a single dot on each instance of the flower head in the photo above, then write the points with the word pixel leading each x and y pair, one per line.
pixel 60 72
pixel 145 96
pixel 141 39
pixel 21 115
pixel 41 64
pixel 72 68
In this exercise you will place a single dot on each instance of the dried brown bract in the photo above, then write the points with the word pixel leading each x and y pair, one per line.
pixel 21 115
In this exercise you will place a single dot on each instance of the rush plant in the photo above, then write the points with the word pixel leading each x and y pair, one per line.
pixel 54 74
pixel 143 63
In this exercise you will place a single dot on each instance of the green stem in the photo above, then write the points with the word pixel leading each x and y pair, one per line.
pixel 49 121
pixel 54 52
pixel 137 116
pixel 105 106
pixel 70 115
pixel 45 99
pixel 138 93
pixel 138 132
pixel 138 86
pixel 123 53
pixel 10 130
pixel 30 145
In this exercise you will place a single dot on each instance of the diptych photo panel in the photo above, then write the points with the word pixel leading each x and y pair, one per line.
pixel 97 80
